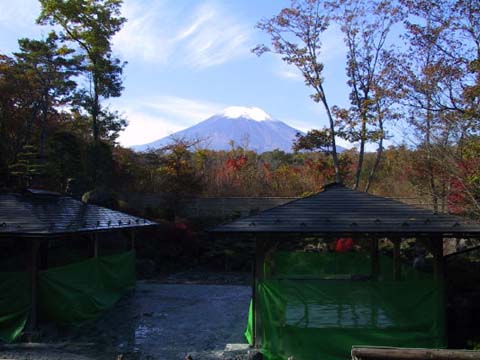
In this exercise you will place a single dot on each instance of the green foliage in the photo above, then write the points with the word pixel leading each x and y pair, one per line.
pixel 314 140
pixel 99 164
pixel 27 166
pixel 176 172
pixel 91 24
pixel 64 154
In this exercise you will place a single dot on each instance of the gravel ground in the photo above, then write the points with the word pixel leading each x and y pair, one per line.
pixel 157 321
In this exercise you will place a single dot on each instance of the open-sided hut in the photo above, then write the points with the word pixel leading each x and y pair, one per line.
pixel 62 260
pixel 347 282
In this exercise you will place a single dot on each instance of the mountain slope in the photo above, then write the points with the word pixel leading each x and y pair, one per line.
pixel 249 127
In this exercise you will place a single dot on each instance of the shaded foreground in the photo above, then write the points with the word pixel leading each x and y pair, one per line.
pixel 157 321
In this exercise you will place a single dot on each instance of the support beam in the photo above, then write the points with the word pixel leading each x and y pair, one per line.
pixel 438 260
pixel 133 235
pixel 43 254
pixel 397 261
pixel 261 248
pixel 33 270
pixel 375 258
pixel 254 300
pixel 95 245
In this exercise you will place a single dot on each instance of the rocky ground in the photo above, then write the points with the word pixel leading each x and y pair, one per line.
pixel 172 317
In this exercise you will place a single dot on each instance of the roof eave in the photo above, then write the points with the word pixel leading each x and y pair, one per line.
pixel 66 233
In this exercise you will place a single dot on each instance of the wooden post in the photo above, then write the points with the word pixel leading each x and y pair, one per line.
pixel 254 299
pixel 397 261
pixel 95 245
pixel 132 240
pixel 33 269
pixel 438 261
pixel 260 251
pixel 375 258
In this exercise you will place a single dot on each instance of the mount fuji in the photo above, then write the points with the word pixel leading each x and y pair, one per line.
pixel 249 127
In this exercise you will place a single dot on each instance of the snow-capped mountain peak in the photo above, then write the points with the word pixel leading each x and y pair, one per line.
pixel 253 113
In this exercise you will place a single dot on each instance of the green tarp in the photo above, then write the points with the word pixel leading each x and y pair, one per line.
pixel 317 306
pixel 80 291
pixel 14 304
pixel 67 295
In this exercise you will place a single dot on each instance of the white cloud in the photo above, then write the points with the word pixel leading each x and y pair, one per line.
pixel 289 72
pixel 198 37
pixel 144 128
pixel 333 46
pixel 19 13
pixel 160 116
pixel 186 111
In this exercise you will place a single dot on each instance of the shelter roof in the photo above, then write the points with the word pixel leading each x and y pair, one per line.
pixel 340 210
pixel 45 213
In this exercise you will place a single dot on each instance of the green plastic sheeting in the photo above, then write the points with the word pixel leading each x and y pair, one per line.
pixel 67 295
pixel 318 305
pixel 80 291
pixel 14 304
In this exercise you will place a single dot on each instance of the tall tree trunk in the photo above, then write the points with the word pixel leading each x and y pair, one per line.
pixel 430 168
pixel 361 152
pixel 95 112
pixel 43 130
pixel 377 158
pixel 336 166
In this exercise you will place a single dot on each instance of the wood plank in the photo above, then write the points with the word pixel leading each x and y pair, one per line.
pixel 360 353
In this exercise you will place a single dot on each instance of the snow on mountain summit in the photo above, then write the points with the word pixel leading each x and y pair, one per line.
pixel 253 113
pixel 250 127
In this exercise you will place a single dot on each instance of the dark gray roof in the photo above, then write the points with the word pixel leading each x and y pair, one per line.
pixel 44 213
pixel 339 210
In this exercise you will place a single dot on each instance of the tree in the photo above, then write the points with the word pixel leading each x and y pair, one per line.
pixel 17 112
pixel 313 140
pixel 365 26
pixel 65 163
pixel 295 34
pixel 51 69
pixel 27 166
pixel 91 24
pixel 436 76
pixel 176 174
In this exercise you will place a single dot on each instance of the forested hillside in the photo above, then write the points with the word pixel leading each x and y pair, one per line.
pixel 57 131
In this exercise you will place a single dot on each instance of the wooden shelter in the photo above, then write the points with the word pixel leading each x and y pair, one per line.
pixel 338 212
pixel 39 218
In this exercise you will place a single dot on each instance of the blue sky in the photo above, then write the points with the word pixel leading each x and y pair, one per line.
pixel 189 59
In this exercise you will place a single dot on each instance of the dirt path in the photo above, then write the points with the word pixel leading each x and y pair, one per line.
pixel 158 321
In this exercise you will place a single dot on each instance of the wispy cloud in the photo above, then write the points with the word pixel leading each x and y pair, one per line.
pixel 156 117
pixel 333 46
pixel 19 13
pixel 187 111
pixel 289 72
pixel 159 32
pixel 144 128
